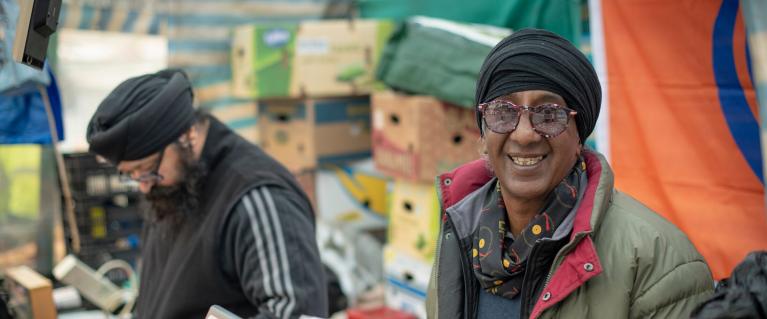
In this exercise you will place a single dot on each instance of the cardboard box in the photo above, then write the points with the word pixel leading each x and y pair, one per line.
pixel 30 294
pixel 352 196
pixel 401 297
pixel 304 133
pixel 407 280
pixel 417 138
pixel 308 181
pixel 310 59
pixel 414 219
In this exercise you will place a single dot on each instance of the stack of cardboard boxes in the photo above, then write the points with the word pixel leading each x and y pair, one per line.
pixel 416 138
pixel 321 112
pixel 427 128
pixel 311 83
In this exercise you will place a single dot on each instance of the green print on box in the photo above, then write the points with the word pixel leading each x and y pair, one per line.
pixel 273 61
pixel 310 59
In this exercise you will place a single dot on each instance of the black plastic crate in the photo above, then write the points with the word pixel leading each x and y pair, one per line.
pixel 89 178
pixel 109 228
pixel 104 219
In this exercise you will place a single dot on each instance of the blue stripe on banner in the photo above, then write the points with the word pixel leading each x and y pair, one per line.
pixel 242 123
pixel 86 15
pixel 130 21
pixel 740 120
pixel 403 286
pixel 223 45
pixel 105 17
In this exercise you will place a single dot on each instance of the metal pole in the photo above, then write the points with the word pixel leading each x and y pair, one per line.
pixel 69 206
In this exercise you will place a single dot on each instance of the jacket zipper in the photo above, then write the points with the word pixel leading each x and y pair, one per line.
pixel 557 261
pixel 548 278
pixel 448 229
pixel 435 266
pixel 526 289
pixel 470 304
pixel 438 246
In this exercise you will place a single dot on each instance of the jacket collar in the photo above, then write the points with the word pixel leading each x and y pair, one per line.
pixel 218 143
pixel 456 185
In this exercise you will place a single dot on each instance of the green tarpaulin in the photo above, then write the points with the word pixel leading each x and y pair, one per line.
pixel 437 57
pixel 560 16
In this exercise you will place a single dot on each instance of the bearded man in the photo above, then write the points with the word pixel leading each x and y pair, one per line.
pixel 228 225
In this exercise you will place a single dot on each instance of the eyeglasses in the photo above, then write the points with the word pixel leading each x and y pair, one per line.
pixel 152 176
pixel 548 120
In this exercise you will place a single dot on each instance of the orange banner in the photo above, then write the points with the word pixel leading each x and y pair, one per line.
pixel 684 134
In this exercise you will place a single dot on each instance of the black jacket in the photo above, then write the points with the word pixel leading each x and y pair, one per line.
pixel 251 248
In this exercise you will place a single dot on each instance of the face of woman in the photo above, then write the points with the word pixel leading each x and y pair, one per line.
pixel 527 164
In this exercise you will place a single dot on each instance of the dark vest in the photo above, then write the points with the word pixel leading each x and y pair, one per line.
pixel 181 275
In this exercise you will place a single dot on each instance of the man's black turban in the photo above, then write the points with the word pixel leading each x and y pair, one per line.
pixel 142 116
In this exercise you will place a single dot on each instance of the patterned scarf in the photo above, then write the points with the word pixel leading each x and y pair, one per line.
pixel 498 261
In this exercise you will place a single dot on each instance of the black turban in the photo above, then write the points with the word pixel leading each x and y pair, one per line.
pixel 141 116
pixel 533 59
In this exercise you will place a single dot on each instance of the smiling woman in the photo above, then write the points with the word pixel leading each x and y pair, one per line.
pixel 527 226
pixel 531 156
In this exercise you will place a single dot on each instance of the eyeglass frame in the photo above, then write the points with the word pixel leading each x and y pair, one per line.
pixel 529 109
pixel 152 176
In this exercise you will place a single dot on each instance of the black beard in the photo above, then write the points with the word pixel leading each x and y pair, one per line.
pixel 178 202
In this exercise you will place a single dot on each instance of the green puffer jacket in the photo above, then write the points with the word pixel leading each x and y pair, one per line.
pixel 622 260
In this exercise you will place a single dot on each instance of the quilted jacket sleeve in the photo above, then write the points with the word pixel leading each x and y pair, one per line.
pixel 676 293
pixel 671 277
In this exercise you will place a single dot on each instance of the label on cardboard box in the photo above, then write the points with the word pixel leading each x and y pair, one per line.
pixel 276 37
pixel 312 46
pixel 271 54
